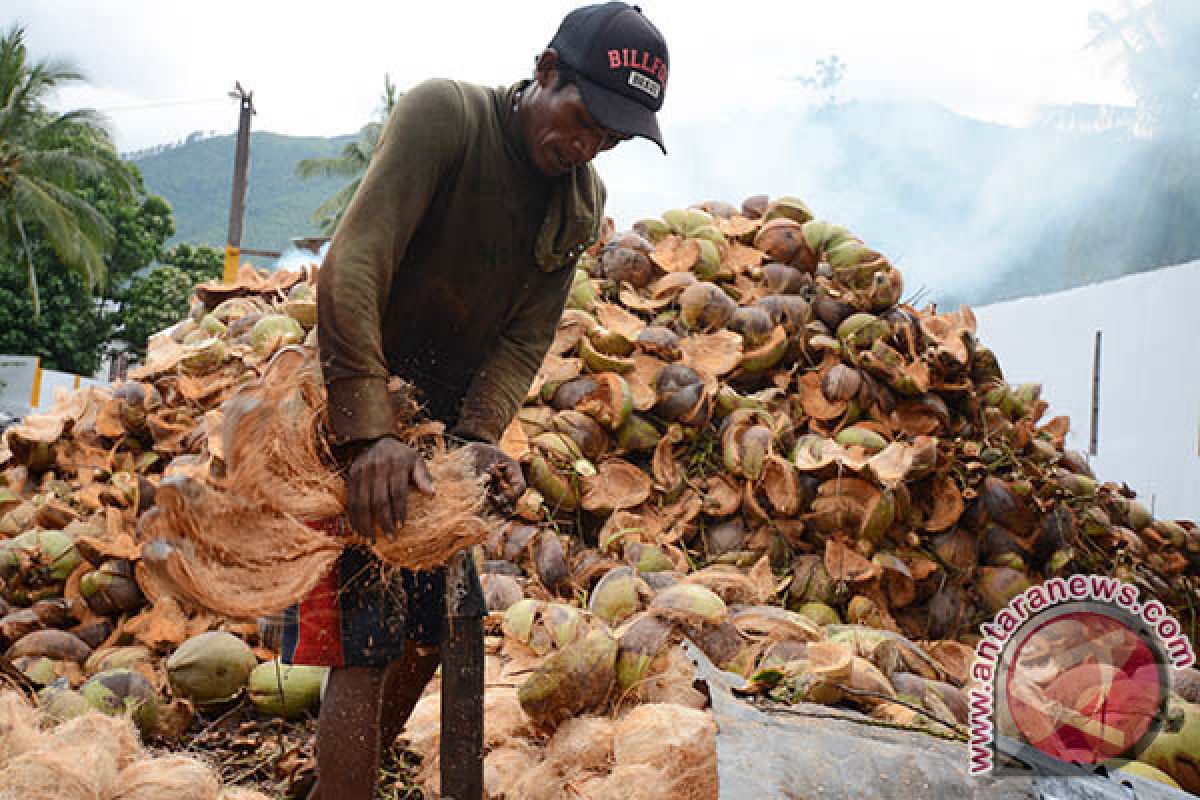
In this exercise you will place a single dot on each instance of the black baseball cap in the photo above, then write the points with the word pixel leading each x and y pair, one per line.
pixel 620 61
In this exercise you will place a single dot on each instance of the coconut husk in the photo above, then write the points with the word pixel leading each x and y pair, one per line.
pixel 20 730
pixel 236 793
pixel 177 777
pixel 505 768
pixel 115 736
pixel 81 772
pixel 242 545
pixel 582 743
pixel 658 734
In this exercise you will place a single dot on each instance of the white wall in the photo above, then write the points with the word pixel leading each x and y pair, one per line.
pixel 1149 421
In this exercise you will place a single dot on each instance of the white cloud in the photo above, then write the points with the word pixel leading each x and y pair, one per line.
pixel 317 67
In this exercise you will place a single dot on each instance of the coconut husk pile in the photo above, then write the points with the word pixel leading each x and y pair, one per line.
pixel 741 437
pixel 93 757
pixel 223 433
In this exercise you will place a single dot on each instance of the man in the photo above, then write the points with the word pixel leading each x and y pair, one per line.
pixel 451 268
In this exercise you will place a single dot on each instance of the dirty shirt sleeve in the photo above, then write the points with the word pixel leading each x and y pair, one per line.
pixel 421 143
pixel 499 388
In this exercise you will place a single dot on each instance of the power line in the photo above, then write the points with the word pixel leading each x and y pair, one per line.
pixel 164 104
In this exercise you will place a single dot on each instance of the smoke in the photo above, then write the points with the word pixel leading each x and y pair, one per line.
pixel 296 258
pixel 967 210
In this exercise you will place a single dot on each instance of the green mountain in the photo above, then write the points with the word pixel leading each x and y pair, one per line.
pixel 196 178
pixel 969 211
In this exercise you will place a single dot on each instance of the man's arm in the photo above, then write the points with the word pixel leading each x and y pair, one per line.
pixel 421 143
pixel 499 388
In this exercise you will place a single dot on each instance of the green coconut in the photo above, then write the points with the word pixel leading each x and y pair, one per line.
pixel 792 208
pixel 641 643
pixel 819 613
pixel 211 668
pixel 43 671
pixel 862 329
pixel 617 595
pixel 110 658
pixel 275 331
pixel 865 438
pixel 583 292
pixel 211 326
pixel 998 585
pixel 285 690
pixel 573 680
pixel 708 265
pixel 302 304
pixel 655 230
pixel 123 691
pixel 1178 754
pixel 690 603
pixel 637 433
pixel 60 703
pixel 203 356
pixel 51 554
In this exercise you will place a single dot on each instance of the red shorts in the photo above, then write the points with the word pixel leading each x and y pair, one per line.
pixel 353 617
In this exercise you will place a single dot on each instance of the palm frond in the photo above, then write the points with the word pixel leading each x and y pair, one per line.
pixel 1088 118
pixel 331 167
pixel 75 230
pixel 34 295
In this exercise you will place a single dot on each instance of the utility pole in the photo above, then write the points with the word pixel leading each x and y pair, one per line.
pixel 237 203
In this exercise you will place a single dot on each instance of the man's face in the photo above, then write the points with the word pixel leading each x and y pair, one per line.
pixel 563 134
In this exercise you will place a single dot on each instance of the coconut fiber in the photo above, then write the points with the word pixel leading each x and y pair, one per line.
pixel 246 539
pixel 90 757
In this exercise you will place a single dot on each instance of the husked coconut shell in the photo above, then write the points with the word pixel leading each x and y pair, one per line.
pixel 659 342
pixel 617 484
pixel 500 592
pixel 627 260
pixel 790 311
pixel 618 595
pixel 782 239
pixel 54 644
pixel 705 307
pixel 680 391
pixel 112 589
pixel 754 323
pixel 691 604
pixel 783 279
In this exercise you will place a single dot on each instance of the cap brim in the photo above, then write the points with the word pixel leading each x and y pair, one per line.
pixel 619 113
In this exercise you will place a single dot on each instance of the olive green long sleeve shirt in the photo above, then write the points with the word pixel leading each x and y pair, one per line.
pixel 450 267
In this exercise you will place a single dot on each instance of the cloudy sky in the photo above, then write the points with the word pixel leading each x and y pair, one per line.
pixel 734 116
pixel 162 69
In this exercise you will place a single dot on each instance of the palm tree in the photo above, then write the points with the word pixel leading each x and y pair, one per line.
pixel 350 163
pixel 1155 46
pixel 1146 217
pixel 43 157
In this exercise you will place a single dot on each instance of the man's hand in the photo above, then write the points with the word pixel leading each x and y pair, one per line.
pixel 503 474
pixel 377 486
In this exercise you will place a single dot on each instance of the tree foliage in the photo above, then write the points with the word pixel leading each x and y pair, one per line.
pixel 44 157
pixel 201 263
pixel 155 301
pixel 159 298
pixel 350 163
pixel 71 333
